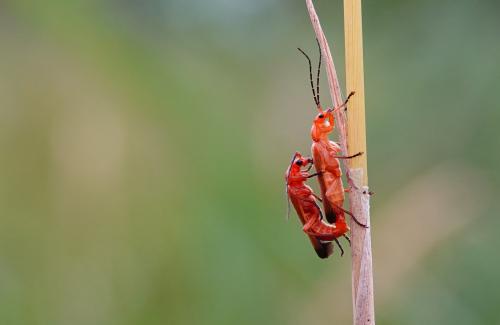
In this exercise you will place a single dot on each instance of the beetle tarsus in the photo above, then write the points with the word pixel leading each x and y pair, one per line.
pixel 348 239
pixel 340 246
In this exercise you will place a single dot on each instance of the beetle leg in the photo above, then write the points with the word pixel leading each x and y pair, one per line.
pixel 313 175
pixel 317 197
pixel 352 216
pixel 348 239
pixel 356 220
pixel 319 209
pixel 344 105
pixel 350 157
pixel 340 246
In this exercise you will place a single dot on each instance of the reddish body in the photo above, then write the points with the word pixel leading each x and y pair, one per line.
pixel 308 210
pixel 326 160
pixel 325 154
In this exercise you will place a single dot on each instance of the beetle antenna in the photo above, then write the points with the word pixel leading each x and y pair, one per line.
pixel 317 77
pixel 310 76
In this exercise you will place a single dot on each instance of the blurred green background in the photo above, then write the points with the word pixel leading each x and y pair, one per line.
pixel 143 146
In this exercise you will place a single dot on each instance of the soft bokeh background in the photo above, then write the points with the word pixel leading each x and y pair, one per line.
pixel 143 146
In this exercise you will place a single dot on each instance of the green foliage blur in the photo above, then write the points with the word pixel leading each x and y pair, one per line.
pixel 143 146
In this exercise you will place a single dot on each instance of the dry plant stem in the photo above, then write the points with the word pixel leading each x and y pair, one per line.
pixel 356 171
pixel 362 271
pixel 331 73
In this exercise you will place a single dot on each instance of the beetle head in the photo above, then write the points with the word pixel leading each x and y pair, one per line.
pixel 323 124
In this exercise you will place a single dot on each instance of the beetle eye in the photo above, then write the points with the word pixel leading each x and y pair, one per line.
pixel 298 162
pixel 321 116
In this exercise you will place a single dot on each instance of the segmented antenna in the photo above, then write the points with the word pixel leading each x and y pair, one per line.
pixel 317 77
pixel 310 76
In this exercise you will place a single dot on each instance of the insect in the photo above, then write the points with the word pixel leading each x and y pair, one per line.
pixel 326 158
pixel 305 203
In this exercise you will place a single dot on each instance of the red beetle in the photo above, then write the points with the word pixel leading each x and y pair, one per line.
pixel 304 201
pixel 326 158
